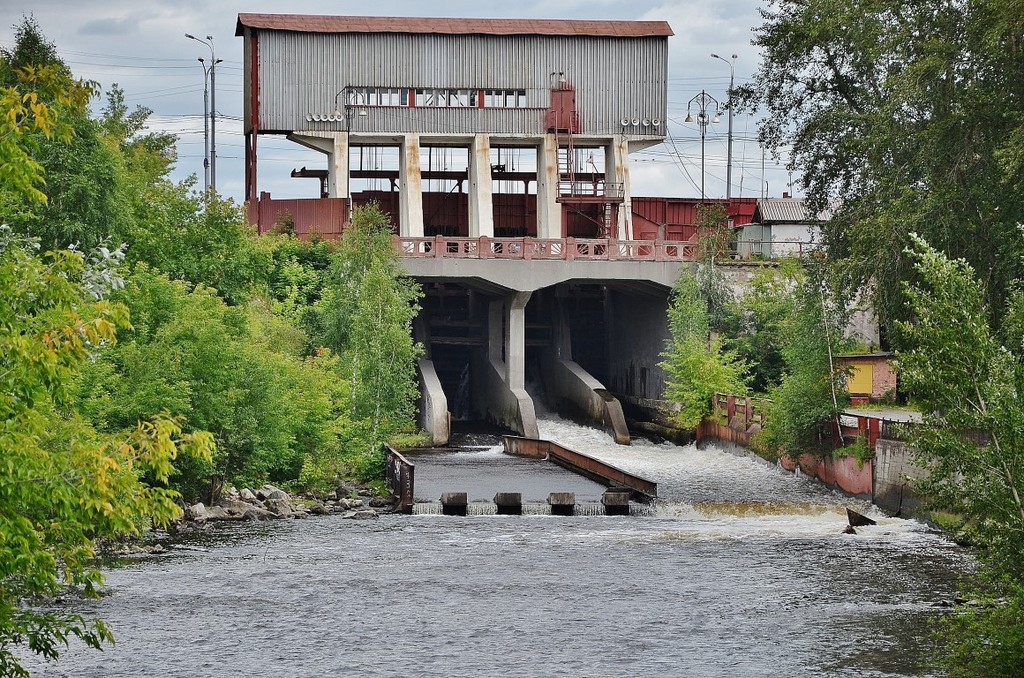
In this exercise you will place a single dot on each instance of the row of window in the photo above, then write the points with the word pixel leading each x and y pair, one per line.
pixel 437 97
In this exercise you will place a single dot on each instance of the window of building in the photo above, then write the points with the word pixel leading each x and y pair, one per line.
pixel 437 97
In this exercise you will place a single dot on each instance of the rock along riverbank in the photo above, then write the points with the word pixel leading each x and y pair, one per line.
pixel 272 503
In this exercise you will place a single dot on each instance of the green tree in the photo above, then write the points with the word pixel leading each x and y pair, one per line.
pixel 213 243
pixel 365 316
pixel 63 485
pixel 38 101
pixel 901 117
pixel 969 382
pixel 812 391
pixel 755 325
pixel 190 354
pixel 696 365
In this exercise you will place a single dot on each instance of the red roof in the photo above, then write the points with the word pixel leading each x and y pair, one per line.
pixel 310 23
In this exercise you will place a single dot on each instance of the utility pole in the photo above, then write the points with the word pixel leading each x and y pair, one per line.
pixel 206 127
pixel 212 109
pixel 728 166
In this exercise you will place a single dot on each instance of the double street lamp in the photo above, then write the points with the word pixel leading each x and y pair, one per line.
pixel 702 101
pixel 209 113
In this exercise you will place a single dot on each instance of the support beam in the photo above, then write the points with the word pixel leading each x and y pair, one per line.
pixel 335 146
pixel 617 172
pixel 573 391
pixel 515 341
pixel 410 187
pixel 501 377
pixel 481 202
pixel 549 211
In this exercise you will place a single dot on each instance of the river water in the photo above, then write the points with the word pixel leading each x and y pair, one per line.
pixel 740 569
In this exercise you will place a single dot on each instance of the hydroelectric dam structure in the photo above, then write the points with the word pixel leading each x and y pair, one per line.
pixel 500 150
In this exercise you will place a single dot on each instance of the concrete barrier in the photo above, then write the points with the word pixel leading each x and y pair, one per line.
pixel 509 407
pixel 454 503
pixel 616 502
pixel 562 503
pixel 433 403
pixel 577 394
pixel 509 503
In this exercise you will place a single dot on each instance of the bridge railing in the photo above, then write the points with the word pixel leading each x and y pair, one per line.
pixel 559 249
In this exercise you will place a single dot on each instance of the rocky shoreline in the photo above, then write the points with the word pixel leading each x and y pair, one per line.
pixel 272 503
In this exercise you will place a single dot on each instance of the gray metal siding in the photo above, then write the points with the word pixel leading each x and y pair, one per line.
pixel 615 78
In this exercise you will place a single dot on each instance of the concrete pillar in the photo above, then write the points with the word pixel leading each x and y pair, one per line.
pixel 515 341
pixel 549 210
pixel 410 187
pixel 509 503
pixel 481 202
pixel 616 171
pixel 502 381
pixel 335 146
pixel 454 503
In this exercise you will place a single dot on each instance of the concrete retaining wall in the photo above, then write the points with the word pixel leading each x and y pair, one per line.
pixel 508 407
pixel 574 392
pixel 895 470
pixel 433 404
pixel 844 473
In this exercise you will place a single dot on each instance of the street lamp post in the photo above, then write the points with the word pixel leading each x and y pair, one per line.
pixel 702 101
pixel 213 107
pixel 728 165
pixel 206 126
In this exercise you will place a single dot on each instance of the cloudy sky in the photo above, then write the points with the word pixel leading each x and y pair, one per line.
pixel 141 45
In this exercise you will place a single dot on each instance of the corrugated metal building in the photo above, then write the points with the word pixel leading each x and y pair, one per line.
pixel 331 82
pixel 780 227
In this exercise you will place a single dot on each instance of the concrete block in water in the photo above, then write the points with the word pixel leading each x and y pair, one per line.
pixel 562 503
pixel 454 503
pixel 509 503
pixel 616 502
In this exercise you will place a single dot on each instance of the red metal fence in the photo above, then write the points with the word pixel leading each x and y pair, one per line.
pixel 305 217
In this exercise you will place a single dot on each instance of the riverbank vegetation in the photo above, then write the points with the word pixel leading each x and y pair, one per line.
pixel 904 120
pixel 154 349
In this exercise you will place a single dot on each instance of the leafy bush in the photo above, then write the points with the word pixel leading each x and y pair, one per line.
pixel 64 485
pixel 192 355
pixel 696 367
pixel 812 392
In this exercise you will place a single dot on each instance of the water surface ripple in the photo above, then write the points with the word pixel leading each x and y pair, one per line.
pixel 742 570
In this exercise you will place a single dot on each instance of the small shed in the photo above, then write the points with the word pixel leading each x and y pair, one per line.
pixel 780 227
pixel 871 376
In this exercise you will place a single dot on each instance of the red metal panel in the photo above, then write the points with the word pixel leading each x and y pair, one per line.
pixel 324 217
pixel 451 26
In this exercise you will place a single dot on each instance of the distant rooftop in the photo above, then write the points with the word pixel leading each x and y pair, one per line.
pixel 309 23
pixel 782 211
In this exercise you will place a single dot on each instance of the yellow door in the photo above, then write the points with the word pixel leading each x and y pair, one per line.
pixel 860 379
